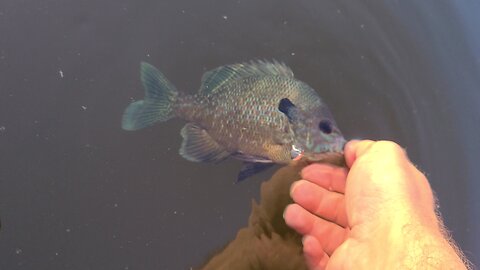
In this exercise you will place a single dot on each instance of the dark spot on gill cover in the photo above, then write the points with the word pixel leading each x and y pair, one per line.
pixel 285 105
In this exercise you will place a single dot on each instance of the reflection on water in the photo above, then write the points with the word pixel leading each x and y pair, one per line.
pixel 106 199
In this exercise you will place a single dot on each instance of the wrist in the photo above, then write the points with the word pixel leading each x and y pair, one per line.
pixel 423 246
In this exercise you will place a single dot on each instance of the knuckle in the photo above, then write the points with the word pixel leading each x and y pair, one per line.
pixel 388 147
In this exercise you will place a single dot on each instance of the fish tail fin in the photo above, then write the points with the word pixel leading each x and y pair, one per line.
pixel 158 104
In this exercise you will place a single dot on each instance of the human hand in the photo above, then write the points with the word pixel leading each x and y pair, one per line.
pixel 379 214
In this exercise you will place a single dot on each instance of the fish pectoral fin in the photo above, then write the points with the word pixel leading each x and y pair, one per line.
pixel 250 168
pixel 199 146
pixel 282 138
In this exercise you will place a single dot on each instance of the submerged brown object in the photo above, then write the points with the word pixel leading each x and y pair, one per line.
pixel 267 242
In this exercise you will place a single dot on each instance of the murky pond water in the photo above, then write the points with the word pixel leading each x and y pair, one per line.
pixel 77 192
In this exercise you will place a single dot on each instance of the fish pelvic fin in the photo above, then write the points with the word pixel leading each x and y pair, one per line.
pixel 199 146
pixel 157 106
pixel 250 168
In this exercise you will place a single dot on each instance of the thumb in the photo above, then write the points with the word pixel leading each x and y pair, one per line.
pixel 356 148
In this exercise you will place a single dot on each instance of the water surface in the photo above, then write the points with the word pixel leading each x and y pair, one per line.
pixel 77 192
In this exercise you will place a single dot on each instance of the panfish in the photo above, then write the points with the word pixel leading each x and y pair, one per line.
pixel 256 112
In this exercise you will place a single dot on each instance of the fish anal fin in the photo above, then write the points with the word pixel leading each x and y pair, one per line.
pixel 199 146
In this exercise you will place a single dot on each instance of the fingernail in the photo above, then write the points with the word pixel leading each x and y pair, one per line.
pixel 285 211
pixel 305 238
pixel 293 187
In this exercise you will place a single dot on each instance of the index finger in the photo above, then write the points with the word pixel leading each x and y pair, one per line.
pixel 327 176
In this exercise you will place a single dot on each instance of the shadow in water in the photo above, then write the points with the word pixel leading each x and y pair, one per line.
pixel 267 242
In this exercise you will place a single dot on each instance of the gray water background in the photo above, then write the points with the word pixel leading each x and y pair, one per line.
pixel 77 192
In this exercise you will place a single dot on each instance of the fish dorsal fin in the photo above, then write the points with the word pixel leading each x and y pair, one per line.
pixel 214 79
pixel 198 146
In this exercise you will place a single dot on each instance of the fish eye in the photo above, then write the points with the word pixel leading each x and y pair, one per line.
pixel 325 126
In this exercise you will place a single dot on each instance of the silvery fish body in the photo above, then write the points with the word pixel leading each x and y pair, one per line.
pixel 256 112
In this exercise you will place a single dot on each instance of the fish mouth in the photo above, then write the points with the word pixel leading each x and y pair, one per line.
pixel 334 149
pixel 339 145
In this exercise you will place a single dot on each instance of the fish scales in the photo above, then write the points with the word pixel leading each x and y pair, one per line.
pixel 248 108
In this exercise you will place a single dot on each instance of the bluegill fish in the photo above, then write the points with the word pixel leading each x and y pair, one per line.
pixel 256 112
